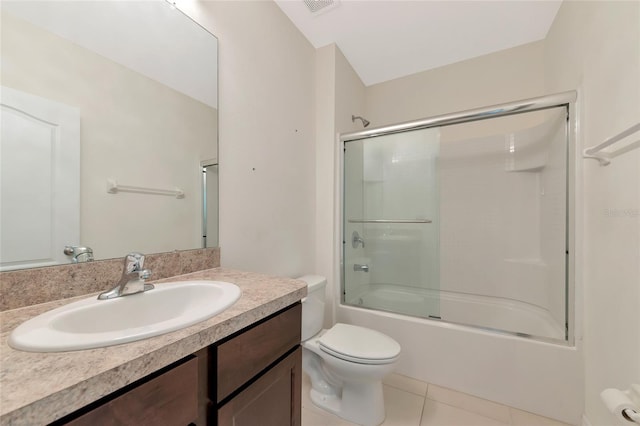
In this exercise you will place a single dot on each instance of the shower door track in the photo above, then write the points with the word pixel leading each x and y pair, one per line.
pixel 476 114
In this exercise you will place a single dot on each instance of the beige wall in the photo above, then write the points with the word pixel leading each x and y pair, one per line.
pixel 133 129
pixel 504 76
pixel 339 93
pixel 595 46
pixel 324 179
pixel 267 149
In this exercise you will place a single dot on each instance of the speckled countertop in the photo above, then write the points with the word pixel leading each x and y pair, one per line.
pixel 37 388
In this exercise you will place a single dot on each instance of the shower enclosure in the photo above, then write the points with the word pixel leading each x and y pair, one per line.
pixel 463 218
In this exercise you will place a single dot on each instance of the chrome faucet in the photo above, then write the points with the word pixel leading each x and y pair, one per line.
pixel 363 268
pixel 132 280
pixel 79 254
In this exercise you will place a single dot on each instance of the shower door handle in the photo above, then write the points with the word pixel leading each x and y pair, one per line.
pixel 363 268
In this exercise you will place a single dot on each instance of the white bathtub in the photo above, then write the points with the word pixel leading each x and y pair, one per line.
pixel 466 309
pixel 536 376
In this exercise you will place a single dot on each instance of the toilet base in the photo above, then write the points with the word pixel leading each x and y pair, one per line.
pixel 350 390
pixel 330 403
pixel 361 403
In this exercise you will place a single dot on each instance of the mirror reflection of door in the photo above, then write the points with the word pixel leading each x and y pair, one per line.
pixel 39 178
pixel 209 203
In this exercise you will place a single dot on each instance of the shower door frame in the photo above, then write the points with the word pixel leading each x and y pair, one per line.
pixel 567 100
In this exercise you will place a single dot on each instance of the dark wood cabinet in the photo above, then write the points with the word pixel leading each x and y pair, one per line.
pixel 245 355
pixel 251 378
pixel 168 397
pixel 259 373
pixel 273 399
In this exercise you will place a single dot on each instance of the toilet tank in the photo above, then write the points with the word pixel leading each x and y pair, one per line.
pixel 313 305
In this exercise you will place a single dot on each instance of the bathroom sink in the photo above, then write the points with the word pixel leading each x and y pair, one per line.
pixel 92 323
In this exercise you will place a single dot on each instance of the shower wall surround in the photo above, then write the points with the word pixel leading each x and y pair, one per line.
pixel 39 285
pixel 469 214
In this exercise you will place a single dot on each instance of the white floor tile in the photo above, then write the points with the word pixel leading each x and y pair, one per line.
pixel 402 408
pixel 311 418
pixel 405 383
pixel 439 414
pixel 405 405
pixel 470 403
pixel 524 418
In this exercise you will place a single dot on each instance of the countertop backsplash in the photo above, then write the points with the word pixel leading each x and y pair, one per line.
pixel 27 287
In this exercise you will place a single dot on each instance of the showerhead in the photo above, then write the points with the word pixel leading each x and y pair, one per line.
pixel 365 122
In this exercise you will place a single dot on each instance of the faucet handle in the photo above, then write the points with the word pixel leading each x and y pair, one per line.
pixel 133 262
pixel 356 239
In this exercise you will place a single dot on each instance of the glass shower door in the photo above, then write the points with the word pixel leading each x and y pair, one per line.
pixel 391 222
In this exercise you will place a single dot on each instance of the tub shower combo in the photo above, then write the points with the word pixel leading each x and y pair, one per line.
pixel 457 236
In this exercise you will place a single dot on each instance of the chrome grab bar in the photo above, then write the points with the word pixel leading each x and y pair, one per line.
pixel 390 221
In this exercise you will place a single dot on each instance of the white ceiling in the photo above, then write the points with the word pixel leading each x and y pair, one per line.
pixel 149 37
pixel 389 39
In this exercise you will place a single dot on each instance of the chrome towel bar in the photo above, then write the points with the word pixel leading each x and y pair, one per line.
pixel 603 157
pixel 113 187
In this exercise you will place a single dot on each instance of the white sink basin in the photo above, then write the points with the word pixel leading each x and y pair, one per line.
pixel 92 323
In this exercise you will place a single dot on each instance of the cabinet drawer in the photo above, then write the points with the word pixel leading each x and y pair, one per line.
pixel 169 399
pixel 244 356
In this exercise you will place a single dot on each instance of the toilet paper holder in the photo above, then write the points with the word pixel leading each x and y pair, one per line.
pixel 624 405
pixel 631 415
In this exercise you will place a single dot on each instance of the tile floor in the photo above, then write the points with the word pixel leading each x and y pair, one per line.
pixel 410 402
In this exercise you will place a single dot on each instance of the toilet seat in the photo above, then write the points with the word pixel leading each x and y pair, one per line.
pixel 358 344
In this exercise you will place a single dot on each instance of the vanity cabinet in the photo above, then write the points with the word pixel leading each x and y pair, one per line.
pixel 273 399
pixel 167 397
pixel 259 373
pixel 251 378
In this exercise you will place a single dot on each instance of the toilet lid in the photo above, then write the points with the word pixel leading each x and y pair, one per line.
pixel 359 344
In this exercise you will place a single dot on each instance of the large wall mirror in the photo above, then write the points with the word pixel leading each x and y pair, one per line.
pixel 109 109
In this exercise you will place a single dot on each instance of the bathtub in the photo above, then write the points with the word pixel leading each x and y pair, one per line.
pixel 494 313
pixel 537 376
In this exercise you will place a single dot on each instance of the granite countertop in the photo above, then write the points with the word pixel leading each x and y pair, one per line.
pixel 37 388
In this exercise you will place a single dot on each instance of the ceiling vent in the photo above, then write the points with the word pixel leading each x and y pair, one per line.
pixel 321 6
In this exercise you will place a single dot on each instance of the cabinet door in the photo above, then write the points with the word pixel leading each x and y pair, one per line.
pixel 171 399
pixel 272 400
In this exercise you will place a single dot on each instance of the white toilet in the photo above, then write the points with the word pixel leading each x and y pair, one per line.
pixel 346 363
